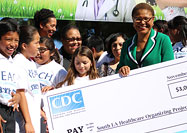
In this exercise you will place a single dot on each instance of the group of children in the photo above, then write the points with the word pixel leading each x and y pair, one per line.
pixel 32 71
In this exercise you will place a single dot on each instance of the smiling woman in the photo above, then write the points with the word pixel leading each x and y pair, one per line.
pixel 147 47
pixel 45 21
pixel 71 40
pixel 114 45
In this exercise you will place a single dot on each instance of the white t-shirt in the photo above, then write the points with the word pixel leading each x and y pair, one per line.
pixel 79 81
pixel 29 73
pixel 171 12
pixel 179 50
pixel 9 79
pixel 103 58
pixel 51 74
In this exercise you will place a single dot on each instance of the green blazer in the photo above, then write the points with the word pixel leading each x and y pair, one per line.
pixel 158 49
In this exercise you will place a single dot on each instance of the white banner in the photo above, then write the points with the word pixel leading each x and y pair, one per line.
pixel 152 99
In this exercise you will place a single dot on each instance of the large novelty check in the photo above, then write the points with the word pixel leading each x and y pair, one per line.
pixel 152 99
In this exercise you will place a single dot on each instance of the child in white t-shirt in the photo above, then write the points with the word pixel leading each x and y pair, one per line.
pixel 29 117
pixel 82 68
pixel 9 78
pixel 50 72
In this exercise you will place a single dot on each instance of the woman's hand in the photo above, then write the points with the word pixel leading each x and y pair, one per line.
pixel 124 71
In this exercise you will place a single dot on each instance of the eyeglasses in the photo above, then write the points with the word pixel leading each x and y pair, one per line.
pixel 73 39
pixel 116 44
pixel 42 49
pixel 137 19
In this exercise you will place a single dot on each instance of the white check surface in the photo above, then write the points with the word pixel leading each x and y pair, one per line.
pixel 152 99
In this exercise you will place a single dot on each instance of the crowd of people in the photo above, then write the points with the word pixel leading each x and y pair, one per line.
pixel 32 65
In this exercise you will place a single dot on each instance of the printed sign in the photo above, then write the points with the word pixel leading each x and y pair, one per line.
pixel 151 99
pixel 90 10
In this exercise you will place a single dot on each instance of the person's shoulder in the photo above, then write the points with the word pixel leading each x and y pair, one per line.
pixel 162 36
pixel 104 55
pixel 129 41
pixel 19 59
pixel 178 45
pixel 53 65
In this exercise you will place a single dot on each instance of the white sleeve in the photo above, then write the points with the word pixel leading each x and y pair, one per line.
pixel 21 79
pixel 60 76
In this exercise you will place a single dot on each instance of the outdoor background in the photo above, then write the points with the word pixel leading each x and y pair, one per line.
pixel 63 9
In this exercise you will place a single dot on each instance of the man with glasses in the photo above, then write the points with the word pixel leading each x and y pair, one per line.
pixel 71 40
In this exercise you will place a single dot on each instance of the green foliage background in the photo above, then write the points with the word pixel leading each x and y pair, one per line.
pixel 63 9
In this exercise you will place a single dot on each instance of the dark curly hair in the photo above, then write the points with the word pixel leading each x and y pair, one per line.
pixel 42 16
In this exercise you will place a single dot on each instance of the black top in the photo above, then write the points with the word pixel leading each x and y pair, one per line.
pixel 66 58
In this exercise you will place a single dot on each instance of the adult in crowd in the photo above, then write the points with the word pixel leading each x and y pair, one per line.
pixel 147 47
pixel 45 21
pixel 178 35
pixel 96 44
pixel 114 46
pixel 71 40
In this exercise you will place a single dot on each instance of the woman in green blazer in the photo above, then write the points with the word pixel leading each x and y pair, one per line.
pixel 147 47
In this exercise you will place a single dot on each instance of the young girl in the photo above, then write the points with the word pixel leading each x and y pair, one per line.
pixel 50 72
pixel 9 79
pixel 82 68
pixel 29 118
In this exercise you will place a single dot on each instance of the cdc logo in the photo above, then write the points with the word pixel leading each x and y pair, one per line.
pixel 66 102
